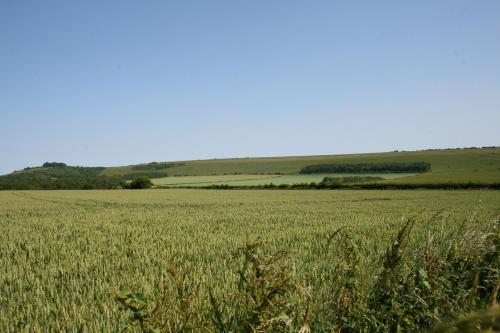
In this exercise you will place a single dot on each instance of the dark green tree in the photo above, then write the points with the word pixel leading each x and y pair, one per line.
pixel 140 183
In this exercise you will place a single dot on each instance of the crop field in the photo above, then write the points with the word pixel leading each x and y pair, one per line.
pixel 460 165
pixel 453 176
pixel 66 255
pixel 472 165
pixel 210 180
pixel 256 180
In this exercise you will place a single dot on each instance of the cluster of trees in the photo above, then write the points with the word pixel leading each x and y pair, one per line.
pixel 78 182
pixel 75 183
pixel 59 176
pixel 156 166
pixel 59 172
pixel 441 149
pixel 53 165
pixel 368 168
pixel 140 183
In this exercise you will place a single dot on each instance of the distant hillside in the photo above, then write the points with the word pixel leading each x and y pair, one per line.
pixel 453 165
pixel 57 170
pixel 450 165
pixel 59 176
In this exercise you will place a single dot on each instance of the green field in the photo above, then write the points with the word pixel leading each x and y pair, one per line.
pixel 463 165
pixel 478 165
pixel 66 253
pixel 258 180
pixel 210 180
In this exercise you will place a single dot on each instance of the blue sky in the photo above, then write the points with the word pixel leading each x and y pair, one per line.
pixel 121 82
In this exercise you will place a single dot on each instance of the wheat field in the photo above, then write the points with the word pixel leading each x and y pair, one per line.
pixel 66 254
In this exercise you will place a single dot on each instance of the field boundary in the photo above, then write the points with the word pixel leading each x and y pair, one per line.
pixel 218 181
pixel 369 186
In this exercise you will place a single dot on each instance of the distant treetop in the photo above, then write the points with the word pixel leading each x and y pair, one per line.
pixel 54 165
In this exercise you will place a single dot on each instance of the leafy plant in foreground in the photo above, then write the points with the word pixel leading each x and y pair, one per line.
pixel 262 302
pixel 140 311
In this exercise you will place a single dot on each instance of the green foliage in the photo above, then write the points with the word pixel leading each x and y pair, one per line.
pixel 339 277
pixel 352 179
pixel 139 311
pixel 409 167
pixel 485 321
pixel 148 174
pixel 359 186
pixel 140 183
pixel 173 310
pixel 58 171
pixel 262 302
pixel 387 292
pixel 66 183
pixel 54 165
pixel 156 166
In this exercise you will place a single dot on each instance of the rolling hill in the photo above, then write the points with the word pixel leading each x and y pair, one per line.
pixel 453 165
pixel 481 165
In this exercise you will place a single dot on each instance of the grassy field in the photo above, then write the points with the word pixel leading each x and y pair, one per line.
pixel 66 253
pixel 209 180
pixel 453 176
pixel 256 180
pixel 481 165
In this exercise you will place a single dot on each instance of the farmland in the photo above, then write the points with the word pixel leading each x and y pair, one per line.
pixel 457 165
pixel 454 166
pixel 65 254
pixel 258 180
pixel 250 166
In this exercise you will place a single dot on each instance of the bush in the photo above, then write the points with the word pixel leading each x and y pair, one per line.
pixel 140 183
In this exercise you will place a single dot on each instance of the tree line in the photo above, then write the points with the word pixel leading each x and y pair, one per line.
pixel 368 168
pixel 357 186
pixel 156 166
pixel 74 183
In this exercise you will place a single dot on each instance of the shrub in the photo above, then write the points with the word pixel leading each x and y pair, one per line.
pixel 141 183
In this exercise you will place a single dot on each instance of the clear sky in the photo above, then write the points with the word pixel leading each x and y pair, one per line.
pixel 121 82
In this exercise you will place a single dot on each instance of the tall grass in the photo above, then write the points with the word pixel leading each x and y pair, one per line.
pixel 408 294
pixel 183 259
